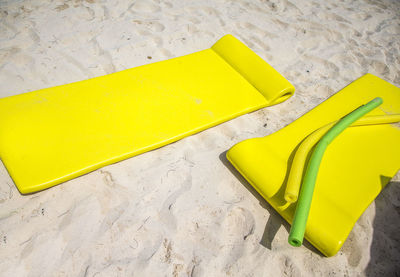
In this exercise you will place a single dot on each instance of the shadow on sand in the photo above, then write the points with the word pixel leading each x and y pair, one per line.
pixel 385 247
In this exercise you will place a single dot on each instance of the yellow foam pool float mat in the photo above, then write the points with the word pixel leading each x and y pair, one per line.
pixel 355 167
pixel 53 135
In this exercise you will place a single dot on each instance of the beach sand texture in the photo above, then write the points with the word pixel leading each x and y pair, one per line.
pixel 182 210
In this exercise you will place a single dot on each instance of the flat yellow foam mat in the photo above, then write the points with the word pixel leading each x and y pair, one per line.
pixel 55 134
pixel 355 168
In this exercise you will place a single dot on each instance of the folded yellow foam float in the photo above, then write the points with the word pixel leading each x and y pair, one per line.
pixel 355 167
pixel 53 135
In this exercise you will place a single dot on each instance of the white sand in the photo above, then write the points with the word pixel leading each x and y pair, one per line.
pixel 180 210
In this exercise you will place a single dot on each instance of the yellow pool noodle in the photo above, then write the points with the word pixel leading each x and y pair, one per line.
pixel 299 160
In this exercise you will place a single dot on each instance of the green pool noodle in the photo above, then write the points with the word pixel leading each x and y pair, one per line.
pixel 299 223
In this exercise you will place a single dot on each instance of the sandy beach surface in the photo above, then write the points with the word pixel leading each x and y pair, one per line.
pixel 181 210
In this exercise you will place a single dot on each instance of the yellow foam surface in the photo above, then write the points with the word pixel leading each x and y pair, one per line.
pixel 355 168
pixel 55 134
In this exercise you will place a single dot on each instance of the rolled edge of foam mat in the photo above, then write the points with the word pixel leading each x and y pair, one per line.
pixel 269 82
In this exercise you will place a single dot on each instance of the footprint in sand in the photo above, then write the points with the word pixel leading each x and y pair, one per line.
pixel 237 227
pixel 288 268
pixel 352 250
pixel 153 26
pixel 145 6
